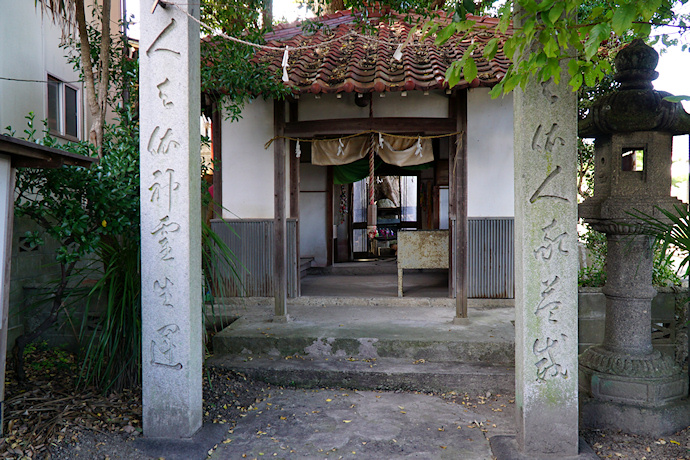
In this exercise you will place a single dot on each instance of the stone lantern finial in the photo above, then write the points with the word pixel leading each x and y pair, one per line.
pixel 635 66
pixel 636 105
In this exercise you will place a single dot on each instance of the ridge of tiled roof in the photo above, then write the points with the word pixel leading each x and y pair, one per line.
pixel 357 64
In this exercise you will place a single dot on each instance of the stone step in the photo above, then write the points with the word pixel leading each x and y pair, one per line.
pixel 410 348
pixel 373 347
pixel 373 374
pixel 412 333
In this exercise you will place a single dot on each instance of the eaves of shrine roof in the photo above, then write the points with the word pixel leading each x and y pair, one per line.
pixel 341 57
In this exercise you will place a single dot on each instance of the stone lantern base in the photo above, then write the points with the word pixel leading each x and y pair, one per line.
pixel 648 380
pixel 644 395
pixel 646 421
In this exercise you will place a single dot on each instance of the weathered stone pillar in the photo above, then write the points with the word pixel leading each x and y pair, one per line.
pixel 170 221
pixel 546 266
pixel 546 269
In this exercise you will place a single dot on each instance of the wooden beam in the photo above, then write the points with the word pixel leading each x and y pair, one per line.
pixel 346 126
pixel 217 144
pixel 294 167
pixel 461 213
pixel 279 220
pixel 293 110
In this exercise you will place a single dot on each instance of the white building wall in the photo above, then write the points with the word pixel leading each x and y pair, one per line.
pixel 248 166
pixel 22 56
pixel 313 203
pixel 30 51
pixel 490 155
pixel 415 104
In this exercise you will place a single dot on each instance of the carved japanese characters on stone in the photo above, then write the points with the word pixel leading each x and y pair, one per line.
pixel 553 242
pixel 548 90
pixel 163 347
pixel 163 289
pixel 165 185
pixel 164 95
pixel 537 195
pixel 164 228
pixel 161 144
pixel 546 352
pixel 549 298
pixel 544 143
pixel 159 44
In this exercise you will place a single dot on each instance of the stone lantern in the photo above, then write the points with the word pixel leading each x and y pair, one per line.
pixel 625 383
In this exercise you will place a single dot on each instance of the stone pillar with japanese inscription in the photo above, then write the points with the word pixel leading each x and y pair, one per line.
pixel 546 266
pixel 170 220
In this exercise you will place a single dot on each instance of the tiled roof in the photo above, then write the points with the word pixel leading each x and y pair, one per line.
pixel 361 64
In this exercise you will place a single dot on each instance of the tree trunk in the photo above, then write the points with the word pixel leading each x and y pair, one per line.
pixel 97 100
pixel 267 16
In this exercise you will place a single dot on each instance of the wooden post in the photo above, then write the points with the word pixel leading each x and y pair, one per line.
pixel 329 215
pixel 452 288
pixel 294 191
pixel 216 140
pixel 460 200
pixel 279 220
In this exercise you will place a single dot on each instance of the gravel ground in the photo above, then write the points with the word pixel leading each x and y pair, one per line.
pixel 49 419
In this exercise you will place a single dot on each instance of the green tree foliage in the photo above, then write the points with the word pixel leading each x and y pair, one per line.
pixel 94 215
pixel 96 77
pixel 88 211
pixel 580 30
pixel 228 73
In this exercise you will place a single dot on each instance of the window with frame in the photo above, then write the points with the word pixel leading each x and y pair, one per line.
pixel 63 108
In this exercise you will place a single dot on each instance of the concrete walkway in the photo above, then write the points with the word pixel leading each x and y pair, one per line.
pixel 368 342
pixel 342 424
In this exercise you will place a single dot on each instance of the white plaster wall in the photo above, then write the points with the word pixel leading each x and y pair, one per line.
pixel 490 155
pixel 313 205
pixel 415 104
pixel 248 166
pixel 30 51
pixel 22 56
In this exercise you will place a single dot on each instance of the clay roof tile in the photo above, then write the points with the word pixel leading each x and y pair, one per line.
pixel 365 63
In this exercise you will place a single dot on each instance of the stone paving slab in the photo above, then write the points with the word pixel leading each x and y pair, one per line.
pixel 323 424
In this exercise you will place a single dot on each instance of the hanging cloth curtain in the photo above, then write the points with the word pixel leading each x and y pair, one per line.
pixel 396 151
pixel 353 172
pixel 339 151
pixel 401 151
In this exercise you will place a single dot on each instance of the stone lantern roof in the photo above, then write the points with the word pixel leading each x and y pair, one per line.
pixel 636 105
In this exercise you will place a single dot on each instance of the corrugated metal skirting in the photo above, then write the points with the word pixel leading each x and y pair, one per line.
pixel 490 258
pixel 252 243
